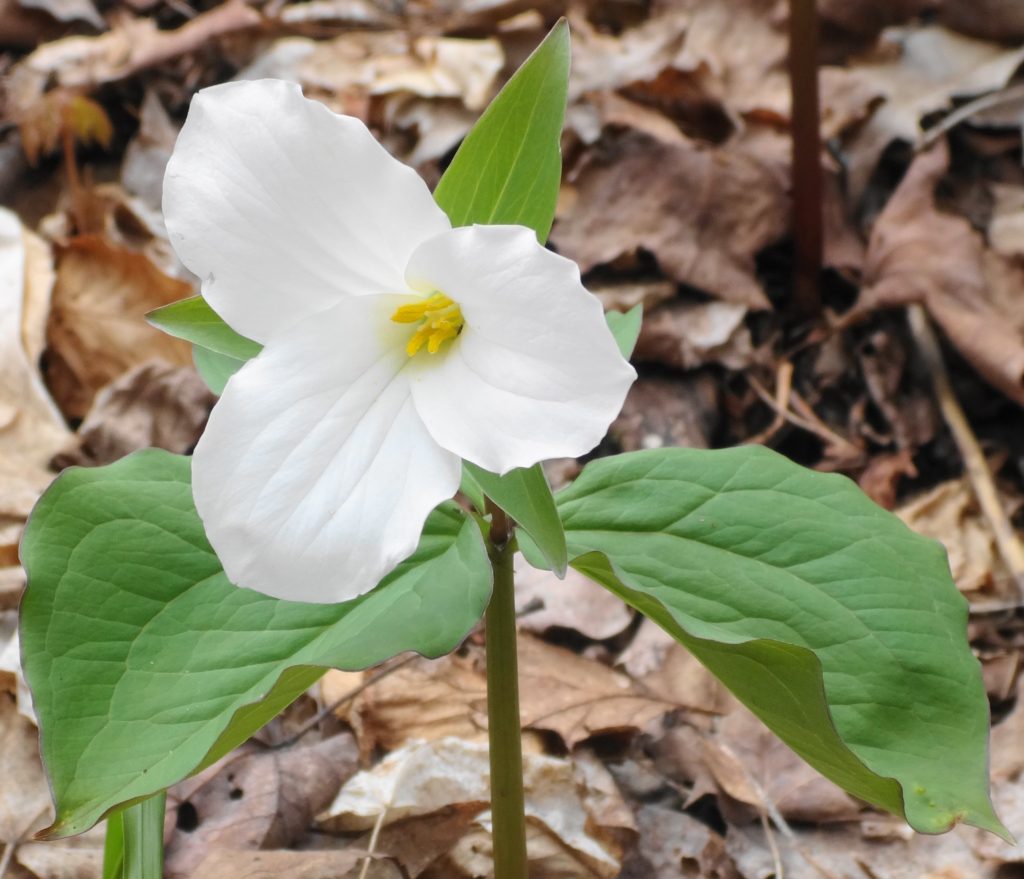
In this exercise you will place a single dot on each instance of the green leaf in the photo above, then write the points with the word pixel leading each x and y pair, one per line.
pixel 509 167
pixel 829 618
pixel 626 328
pixel 215 368
pixel 525 495
pixel 194 321
pixel 146 663
pixel 134 847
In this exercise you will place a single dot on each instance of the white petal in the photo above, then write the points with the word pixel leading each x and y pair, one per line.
pixel 281 207
pixel 315 473
pixel 535 373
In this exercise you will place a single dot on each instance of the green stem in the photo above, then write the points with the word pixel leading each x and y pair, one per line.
pixel 808 234
pixel 506 749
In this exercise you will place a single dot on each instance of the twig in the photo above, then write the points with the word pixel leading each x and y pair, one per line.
pixel 975 465
pixel 962 114
pixel 809 421
pixel 372 847
pixel 783 386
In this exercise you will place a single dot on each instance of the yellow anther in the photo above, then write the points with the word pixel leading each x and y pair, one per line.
pixel 441 321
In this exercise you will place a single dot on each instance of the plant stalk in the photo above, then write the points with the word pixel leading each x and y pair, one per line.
pixel 808 233
pixel 503 731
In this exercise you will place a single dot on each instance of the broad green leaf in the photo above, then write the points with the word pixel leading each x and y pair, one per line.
pixel 134 847
pixel 215 368
pixel 525 495
pixel 626 328
pixel 509 167
pixel 194 321
pixel 146 663
pixel 829 618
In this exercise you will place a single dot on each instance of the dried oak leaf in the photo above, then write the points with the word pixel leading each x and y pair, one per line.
pixel 703 213
pixel 151 406
pixel 97 328
pixel 421 779
pixel 572 696
pixel 917 253
pixel 31 428
pixel 574 602
pixel 920 70
pixel 227 864
pixel 255 799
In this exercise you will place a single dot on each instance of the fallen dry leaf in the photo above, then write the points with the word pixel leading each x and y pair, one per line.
pixel 949 513
pixel 358 64
pixel 24 794
pixel 97 328
pixel 999 20
pixel 421 779
pixel 154 405
pixel 675 845
pixel 920 70
pixel 145 157
pixel 919 254
pixel 31 427
pixel 702 213
pixel 575 602
pixel 255 799
pixel 669 671
pixel 83 63
pixel 661 412
pixel 752 765
pixel 567 694
pixel 227 864
pixel 686 334
pixel 1006 228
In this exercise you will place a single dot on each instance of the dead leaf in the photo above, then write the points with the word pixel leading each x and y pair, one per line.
pixel 575 697
pixel 920 70
pixel 575 602
pixel 85 63
pixel 669 671
pixel 31 427
pixel 1006 229
pixel 949 513
pixel 97 326
pixel 145 157
pixel 24 795
pixel 227 864
pixel 702 213
pixel 752 765
pixel 661 412
pixel 674 845
pixel 421 779
pixel 359 64
pixel 151 406
pixel 79 857
pixel 919 254
pixel 686 334
pixel 424 700
pixel 255 799
pixel 998 20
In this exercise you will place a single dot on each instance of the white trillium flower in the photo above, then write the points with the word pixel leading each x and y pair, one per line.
pixel 394 345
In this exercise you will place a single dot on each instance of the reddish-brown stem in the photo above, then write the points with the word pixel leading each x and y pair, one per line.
pixel 808 237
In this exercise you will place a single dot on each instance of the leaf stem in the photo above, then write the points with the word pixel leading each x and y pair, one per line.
pixel 503 730
pixel 808 236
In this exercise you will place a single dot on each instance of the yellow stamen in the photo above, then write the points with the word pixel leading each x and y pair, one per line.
pixel 441 321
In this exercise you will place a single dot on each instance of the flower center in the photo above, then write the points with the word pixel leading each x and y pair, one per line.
pixel 440 321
